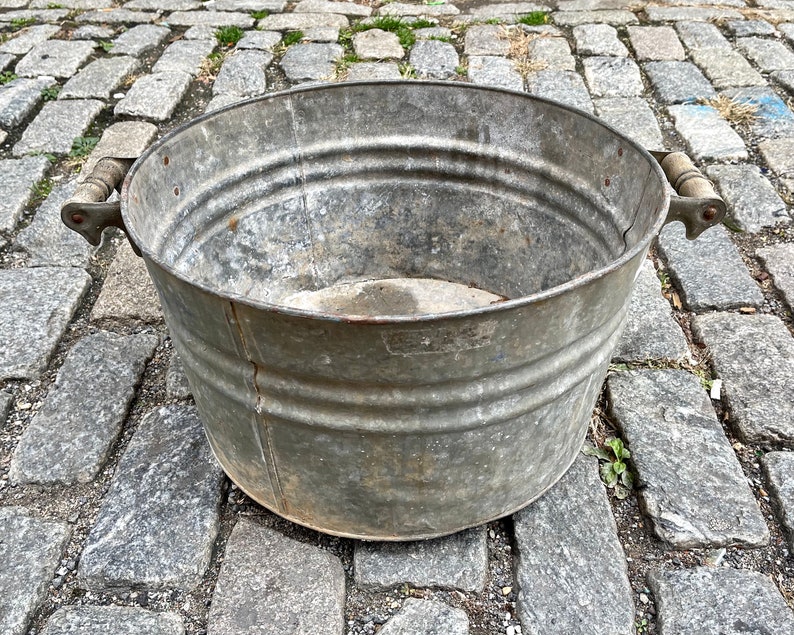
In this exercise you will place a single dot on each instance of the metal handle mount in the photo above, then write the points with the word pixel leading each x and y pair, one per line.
pixel 87 212
pixel 697 205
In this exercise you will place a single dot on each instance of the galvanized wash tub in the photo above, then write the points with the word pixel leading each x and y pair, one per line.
pixel 395 302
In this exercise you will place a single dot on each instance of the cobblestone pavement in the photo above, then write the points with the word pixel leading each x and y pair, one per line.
pixel 114 517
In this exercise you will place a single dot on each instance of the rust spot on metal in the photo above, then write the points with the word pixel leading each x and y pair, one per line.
pixel 77 218
pixel 620 152
pixel 233 223
pixel 166 160
pixel 710 213
pixel 607 182
pixel 176 191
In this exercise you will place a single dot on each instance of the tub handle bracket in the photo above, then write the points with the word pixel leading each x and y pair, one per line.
pixel 697 205
pixel 88 211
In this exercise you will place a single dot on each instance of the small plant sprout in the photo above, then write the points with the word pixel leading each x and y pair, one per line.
pixel 105 45
pixel 7 76
pixel 291 37
pixel 41 189
pixel 228 35
pixel 21 23
pixel 259 15
pixel 50 93
pixel 82 146
pixel 612 465
pixel 534 18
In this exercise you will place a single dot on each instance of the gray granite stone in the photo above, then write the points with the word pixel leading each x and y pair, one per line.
pixel 718 601
pixel 57 125
pixel 779 470
pixel 678 82
pixel 326 6
pixel 566 87
pixel 376 44
pixel 633 117
pixel 726 68
pixel 772 117
pixel 124 140
pixel 304 62
pixel 159 520
pixel 787 30
pixel 272 6
pixel 17 176
pixel 433 59
pixel 40 15
pixel 5 60
pixel 176 385
pixel 707 135
pixel 184 56
pixel 128 292
pixel 612 77
pixel 753 203
pixel 119 16
pixel 93 32
pixel 779 156
pixel 552 52
pixel 615 17
pixel 427 617
pixel 99 78
pixel 698 14
pixel 656 43
pixel 210 18
pixel 30 549
pixel 5 406
pixel 405 9
pixel 323 34
pixel 23 41
pixel 19 98
pixel 651 332
pixel 154 96
pixel 373 71
pixel 57 58
pixel 785 79
pixel 704 285
pixel 47 241
pixel 37 305
pixel 746 28
pixel 489 70
pixel 72 4
pixel 666 419
pixel 459 561
pixel 70 438
pixel 301 21
pixel 701 35
pixel 159 5
pixel 305 586
pixel 598 39
pixel 767 55
pixel 754 356
pixel 779 262
pixel 505 9
pixel 223 100
pixel 115 620
pixel 261 40
pixel 486 39
pixel 569 555
pixel 243 74
pixel 139 39
pixel 201 32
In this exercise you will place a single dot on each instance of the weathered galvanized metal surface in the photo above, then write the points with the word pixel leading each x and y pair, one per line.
pixel 274 232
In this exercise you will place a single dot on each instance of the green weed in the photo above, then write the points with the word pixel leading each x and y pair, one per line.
pixel 612 465
pixel 82 146
pixel 106 46
pixel 291 37
pixel 41 190
pixel 21 23
pixel 259 15
pixel 50 93
pixel 535 18
pixel 228 35
pixel 7 76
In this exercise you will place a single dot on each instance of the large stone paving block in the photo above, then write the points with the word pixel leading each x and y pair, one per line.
pixel 633 117
pixel 70 438
pixel 651 332
pixel 779 156
pixel 754 357
pixel 710 271
pixel 753 203
pixel 718 601
pixel 184 56
pixel 459 561
pixel 124 140
pixel 243 74
pixel 707 135
pixel 154 96
pixel 427 617
pixel 21 42
pixel 270 585
pixel 566 87
pixel 768 55
pixel 656 43
pixel 772 117
pixel 158 522
pixel 99 78
pixel 489 70
pixel 5 406
pixel 486 39
pixel 678 82
pixel 554 53
pixel 612 76
pixel 57 125
pixel 112 620
pixel 434 60
pixel 139 39
pixel 598 39
pixel 570 568
pixel 667 419
pixel 30 549
pixel 701 35
pixel 779 261
pixel 211 18
pixel 37 305
pixel 17 176
pixel 19 98
pixel 779 468
pixel 726 68
pixel 304 62
pixel 58 58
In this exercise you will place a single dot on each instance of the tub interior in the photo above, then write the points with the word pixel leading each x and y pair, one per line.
pixel 392 198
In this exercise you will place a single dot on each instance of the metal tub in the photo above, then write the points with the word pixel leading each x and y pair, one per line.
pixel 395 302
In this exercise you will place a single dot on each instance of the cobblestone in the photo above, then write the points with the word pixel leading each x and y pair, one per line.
pixel 5 405
pixel 656 43
pixel 745 28
pixel 30 549
pixel 612 77
pixel 598 39
pixel 154 96
pixel 70 438
pixel 703 286
pixel 633 117
pixel 666 417
pixel 262 40
pixel 772 118
pixel 494 71
pixel 428 617
pixel 243 74
pixel 119 620
pixel 139 39
pixel 210 18
pixel 184 56
pixel 325 6
pixel 304 62
pixel 753 203
pixel 119 16
pixel 17 176
pixel 754 355
pixel 57 125
pixel 568 554
pixel 373 71
pixel 376 44
pixel 701 14
pixel 713 601
pixel 405 9
pixel 153 530
pixel 726 68
pixel 434 60
pixel 779 261
pixel 701 35
pixel 553 52
pixel 678 82
pixel 57 58
pixel 176 384
pixel 459 561
pixel 779 467
pixel 37 305
pixel 486 39
pixel 566 87
pixel 123 140
pixel 100 78
pixel 306 586
pixel 615 17
pixel 302 21
pixel 707 135
pixel 25 40
pixel 767 55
